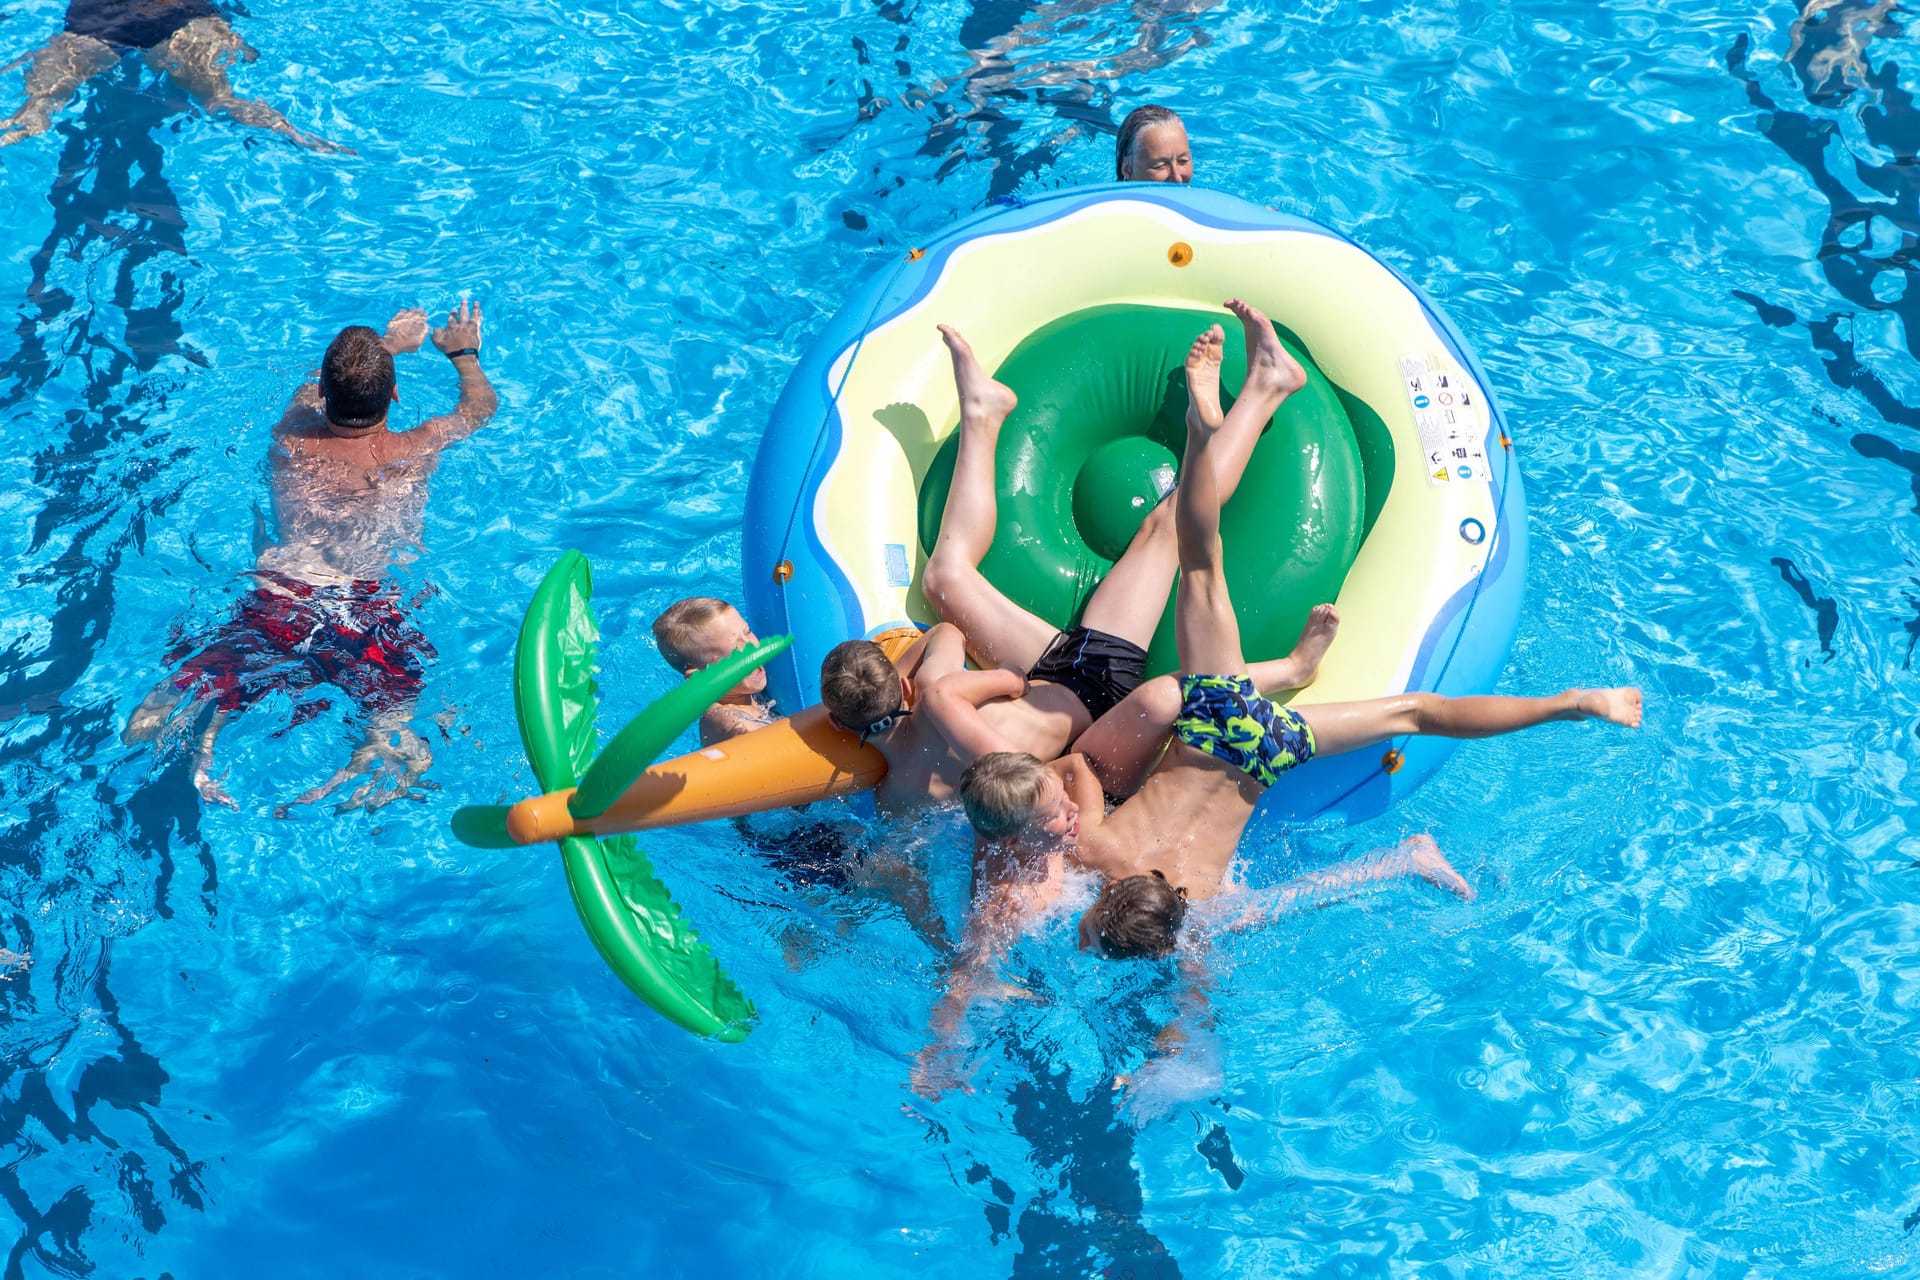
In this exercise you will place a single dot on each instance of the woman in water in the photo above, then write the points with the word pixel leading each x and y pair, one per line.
pixel 1152 147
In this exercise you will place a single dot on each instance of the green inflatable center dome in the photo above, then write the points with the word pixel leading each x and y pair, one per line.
pixel 1096 442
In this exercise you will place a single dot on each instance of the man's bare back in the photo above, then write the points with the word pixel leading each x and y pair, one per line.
pixel 348 497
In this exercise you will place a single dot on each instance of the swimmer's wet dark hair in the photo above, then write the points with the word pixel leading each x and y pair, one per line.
pixel 356 378
pixel 1139 119
pixel 860 685
pixel 1138 917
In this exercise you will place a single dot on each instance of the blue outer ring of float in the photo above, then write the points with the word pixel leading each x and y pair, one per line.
pixel 1464 649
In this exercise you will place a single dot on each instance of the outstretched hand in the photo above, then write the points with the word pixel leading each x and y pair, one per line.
pixel 406 331
pixel 213 790
pixel 462 329
pixel 395 762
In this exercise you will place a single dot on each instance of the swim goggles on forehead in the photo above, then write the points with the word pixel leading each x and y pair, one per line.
pixel 883 724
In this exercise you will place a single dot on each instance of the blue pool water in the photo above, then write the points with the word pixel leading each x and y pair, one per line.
pixel 1675 1037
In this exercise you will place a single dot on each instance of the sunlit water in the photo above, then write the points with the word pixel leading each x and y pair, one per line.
pixel 1675 1037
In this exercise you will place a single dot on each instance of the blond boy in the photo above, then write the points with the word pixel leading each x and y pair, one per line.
pixel 699 631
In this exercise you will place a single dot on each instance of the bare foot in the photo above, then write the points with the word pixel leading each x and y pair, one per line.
pixel 1616 706
pixel 213 790
pixel 981 398
pixel 1432 866
pixel 1203 380
pixel 1269 368
pixel 1323 623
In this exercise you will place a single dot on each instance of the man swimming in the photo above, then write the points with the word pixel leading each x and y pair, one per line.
pixel 189 41
pixel 348 495
pixel 1050 686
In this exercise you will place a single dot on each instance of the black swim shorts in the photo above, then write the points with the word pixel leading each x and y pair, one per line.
pixel 1099 669
pixel 134 24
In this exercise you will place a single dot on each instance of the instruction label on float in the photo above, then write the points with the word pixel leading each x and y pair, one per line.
pixel 1447 409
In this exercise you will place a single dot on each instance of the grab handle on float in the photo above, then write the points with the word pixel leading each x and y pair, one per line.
pixel 483 826
pixel 649 734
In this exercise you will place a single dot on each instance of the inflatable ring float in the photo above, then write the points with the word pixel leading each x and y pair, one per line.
pixel 1386 485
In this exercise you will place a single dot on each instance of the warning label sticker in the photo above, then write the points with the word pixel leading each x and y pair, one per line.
pixel 1452 421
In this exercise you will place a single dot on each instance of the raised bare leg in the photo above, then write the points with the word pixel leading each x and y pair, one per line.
pixel 1205 628
pixel 998 631
pixel 1298 669
pixel 1132 597
pixel 1272 376
pixel 55 73
pixel 1348 726
pixel 198 55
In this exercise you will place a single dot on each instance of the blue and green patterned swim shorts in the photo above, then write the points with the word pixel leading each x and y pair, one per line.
pixel 1226 717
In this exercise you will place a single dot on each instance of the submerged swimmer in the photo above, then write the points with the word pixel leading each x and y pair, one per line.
pixel 1152 147
pixel 348 494
pixel 187 40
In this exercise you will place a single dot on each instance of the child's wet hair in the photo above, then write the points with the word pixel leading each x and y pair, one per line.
pixel 678 631
pixel 860 685
pixel 1000 791
pixel 1139 916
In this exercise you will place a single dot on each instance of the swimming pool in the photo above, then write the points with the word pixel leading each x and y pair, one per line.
pixel 1673 1038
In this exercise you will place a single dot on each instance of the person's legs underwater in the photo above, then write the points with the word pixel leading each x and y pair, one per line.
pixel 55 72
pixel 197 57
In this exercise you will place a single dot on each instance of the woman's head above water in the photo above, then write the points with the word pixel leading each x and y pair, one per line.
pixel 1152 147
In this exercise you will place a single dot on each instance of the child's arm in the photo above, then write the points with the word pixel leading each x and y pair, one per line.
pixel 992 923
pixel 940 650
pixel 953 705
pixel 1181 1065
pixel 1082 785
pixel 721 722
